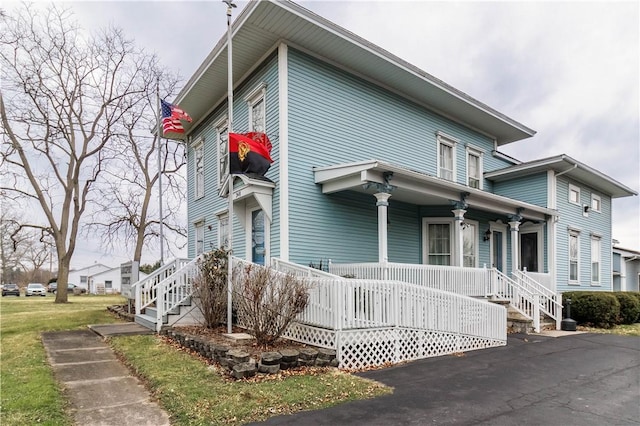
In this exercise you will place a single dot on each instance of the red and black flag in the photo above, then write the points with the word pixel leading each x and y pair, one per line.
pixel 249 153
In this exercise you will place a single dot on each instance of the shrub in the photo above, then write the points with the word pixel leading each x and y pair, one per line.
pixel 599 309
pixel 210 286
pixel 629 307
pixel 267 301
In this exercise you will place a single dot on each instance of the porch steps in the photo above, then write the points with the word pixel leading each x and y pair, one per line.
pixel 148 318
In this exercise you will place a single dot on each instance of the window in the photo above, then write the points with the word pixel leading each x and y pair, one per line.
pixel 574 194
pixel 199 169
pixel 257 116
pixel 223 151
pixel 108 284
pixel 83 279
pixel 223 230
pixel 199 237
pixel 469 245
pixel 474 168
pixel 596 203
pixel 595 261
pixel 446 156
pixel 574 252
pixel 438 243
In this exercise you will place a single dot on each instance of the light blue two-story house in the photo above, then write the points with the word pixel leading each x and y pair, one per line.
pixel 384 172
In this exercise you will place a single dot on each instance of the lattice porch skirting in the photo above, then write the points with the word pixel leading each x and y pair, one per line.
pixel 370 347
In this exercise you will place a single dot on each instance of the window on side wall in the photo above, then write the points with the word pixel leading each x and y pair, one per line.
pixel 446 157
pixel 438 243
pixel 198 159
pixel 199 234
pixel 470 245
pixel 595 260
pixel 223 231
pixel 256 101
pixel 596 203
pixel 574 256
pixel 474 168
pixel 574 194
pixel 223 151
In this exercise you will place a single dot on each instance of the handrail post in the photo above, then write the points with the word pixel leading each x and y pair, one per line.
pixel 536 312
pixel 159 305
pixel 138 299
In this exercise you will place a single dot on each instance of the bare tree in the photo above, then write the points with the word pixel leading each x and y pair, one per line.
pixel 62 99
pixel 127 207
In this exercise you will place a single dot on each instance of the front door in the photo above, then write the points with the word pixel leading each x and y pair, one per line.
pixel 258 247
pixel 497 252
pixel 529 251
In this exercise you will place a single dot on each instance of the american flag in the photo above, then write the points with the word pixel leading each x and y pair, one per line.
pixel 171 116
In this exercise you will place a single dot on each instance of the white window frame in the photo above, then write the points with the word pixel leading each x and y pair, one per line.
pixel 474 152
pixel 576 189
pixel 595 199
pixel 426 221
pixel 574 234
pixel 596 257
pixel 267 234
pixel 198 169
pixel 257 95
pixel 222 149
pixel 223 230
pixel 199 236
pixel 476 242
pixel 451 142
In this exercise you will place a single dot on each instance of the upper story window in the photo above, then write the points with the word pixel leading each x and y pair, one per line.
pixel 474 168
pixel 222 136
pixel 256 101
pixel 446 156
pixel 596 203
pixel 198 159
pixel 574 194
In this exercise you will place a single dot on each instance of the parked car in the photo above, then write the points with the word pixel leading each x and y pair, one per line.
pixel 53 287
pixel 35 289
pixel 11 289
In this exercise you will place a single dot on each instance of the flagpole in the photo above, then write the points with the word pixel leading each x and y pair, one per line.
pixel 230 5
pixel 160 170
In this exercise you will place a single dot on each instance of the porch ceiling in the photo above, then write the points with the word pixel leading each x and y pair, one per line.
pixel 418 188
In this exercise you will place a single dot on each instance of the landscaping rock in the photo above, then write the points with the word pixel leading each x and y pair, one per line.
pixel 244 370
pixel 308 354
pixel 326 354
pixel 268 369
pixel 289 355
pixel 271 358
pixel 238 356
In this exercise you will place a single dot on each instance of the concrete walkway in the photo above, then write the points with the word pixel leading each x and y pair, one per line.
pixel 101 391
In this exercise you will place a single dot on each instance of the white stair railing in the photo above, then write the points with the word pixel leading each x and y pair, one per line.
pixel 520 297
pixel 548 299
pixel 146 290
pixel 175 290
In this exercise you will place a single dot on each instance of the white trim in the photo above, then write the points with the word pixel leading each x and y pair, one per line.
pixel 450 142
pixel 249 229
pixel 476 242
pixel 599 199
pixel 222 235
pixel 576 189
pixel 552 201
pixel 198 220
pixel 425 237
pixel 598 240
pixel 472 151
pixel 499 227
pixel 198 147
pixel 538 229
pixel 283 145
pixel 448 137
pixel 576 234
pixel 220 128
pixel 257 95
pixel 198 226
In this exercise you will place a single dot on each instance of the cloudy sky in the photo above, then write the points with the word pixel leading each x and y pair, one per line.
pixel 569 70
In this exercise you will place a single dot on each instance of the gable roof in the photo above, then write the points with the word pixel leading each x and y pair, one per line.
pixel 566 165
pixel 262 25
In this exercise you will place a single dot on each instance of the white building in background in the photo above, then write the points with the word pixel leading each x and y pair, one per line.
pixel 80 277
pixel 99 278
pixel 626 269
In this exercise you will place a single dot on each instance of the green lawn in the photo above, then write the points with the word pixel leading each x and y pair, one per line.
pixel 29 393
pixel 190 391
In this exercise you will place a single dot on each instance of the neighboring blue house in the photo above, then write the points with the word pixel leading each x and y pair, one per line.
pixel 626 269
pixel 394 176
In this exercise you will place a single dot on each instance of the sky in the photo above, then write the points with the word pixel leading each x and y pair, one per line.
pixel 569 70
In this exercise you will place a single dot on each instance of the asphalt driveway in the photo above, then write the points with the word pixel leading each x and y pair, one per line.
pixel 581 379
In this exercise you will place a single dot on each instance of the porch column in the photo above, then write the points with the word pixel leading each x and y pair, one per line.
pixel 514 224
pixel 458 236
pixel 382 203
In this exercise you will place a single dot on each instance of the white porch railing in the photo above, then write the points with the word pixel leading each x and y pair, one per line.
pixel 371 321
pixel 298 270
pixel 166 288
pixel 548 300
pixel 546 280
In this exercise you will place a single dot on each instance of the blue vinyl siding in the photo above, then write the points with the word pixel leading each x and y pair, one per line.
pixel 530 189
pixel 211 203
pixel 336 118
pixel 599 223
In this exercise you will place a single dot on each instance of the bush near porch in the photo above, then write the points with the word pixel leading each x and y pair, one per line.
pixel 603 309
